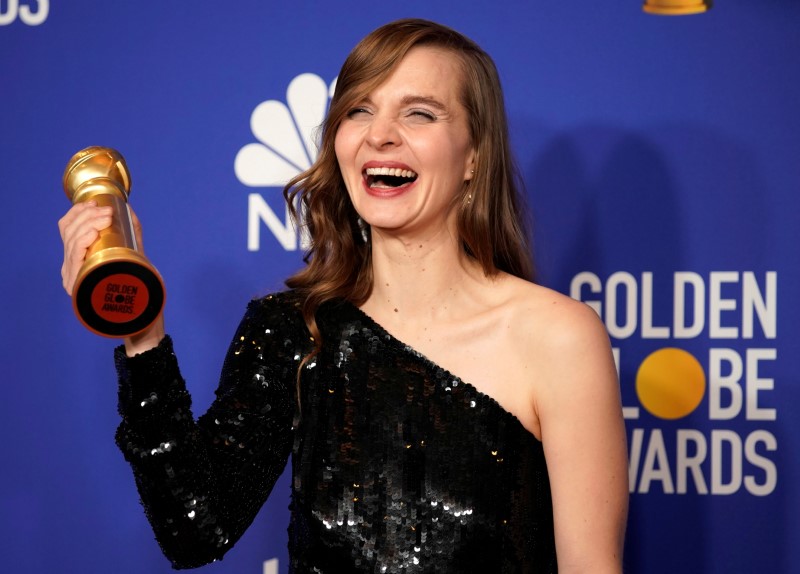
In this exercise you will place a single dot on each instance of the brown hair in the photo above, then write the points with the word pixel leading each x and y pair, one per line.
pixel 490 223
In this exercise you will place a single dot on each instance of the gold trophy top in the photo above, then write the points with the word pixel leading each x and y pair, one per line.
pixel 96 170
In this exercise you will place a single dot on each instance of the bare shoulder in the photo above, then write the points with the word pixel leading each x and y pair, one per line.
pixel 565 346
pixel 551 321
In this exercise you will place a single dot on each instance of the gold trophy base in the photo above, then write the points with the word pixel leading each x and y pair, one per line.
pixel 118 293
pixel 676 7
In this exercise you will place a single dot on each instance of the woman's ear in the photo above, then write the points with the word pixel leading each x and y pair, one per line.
pixel 469 172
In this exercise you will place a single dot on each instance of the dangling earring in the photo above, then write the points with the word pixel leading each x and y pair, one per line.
pixel 364 228
pixel 469 198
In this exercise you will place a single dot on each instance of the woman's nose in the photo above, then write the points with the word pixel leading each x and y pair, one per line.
pixel 383 132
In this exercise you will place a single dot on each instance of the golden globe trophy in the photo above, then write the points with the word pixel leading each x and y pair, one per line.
pixel 118 292
pixel 676 7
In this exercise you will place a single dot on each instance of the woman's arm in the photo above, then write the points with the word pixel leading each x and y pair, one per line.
pixel 202 483
pixel 578 404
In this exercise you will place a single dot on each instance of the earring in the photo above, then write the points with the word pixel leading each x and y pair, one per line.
pixel 469 198
pixel 364 228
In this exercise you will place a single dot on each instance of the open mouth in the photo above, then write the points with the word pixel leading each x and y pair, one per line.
pixel 388 177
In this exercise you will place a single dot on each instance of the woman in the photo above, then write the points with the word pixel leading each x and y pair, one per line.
pixel 444 413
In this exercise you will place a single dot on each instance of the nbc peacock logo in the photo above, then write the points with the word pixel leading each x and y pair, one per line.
pixel 286 145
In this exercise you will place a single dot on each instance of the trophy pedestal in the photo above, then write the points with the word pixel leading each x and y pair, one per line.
pixel 118 293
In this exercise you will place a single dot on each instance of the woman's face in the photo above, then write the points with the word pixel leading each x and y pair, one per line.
pixel 405 150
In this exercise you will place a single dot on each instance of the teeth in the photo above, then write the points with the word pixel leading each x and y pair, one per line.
pixel 395 172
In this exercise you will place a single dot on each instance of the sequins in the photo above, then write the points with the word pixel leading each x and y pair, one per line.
pixel 398 466
pixel 162 448
pixel 203 482
pixel 150 400
pixel 392 441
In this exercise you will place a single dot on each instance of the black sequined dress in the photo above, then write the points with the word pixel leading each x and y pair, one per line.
pixel 397 465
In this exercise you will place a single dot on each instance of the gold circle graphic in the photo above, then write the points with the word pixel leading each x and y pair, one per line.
pixel 670 383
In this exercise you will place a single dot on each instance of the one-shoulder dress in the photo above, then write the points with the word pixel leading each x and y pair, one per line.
pixel 397 465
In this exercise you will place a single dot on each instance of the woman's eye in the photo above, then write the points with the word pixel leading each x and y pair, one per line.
pixel 422 114
pixel 355 112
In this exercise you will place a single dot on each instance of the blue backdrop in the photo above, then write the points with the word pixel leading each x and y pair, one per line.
pixel 661 160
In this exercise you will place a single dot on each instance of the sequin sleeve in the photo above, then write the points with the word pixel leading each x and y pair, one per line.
pixel 202 482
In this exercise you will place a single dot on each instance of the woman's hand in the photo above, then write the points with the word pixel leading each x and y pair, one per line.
pixel 79 228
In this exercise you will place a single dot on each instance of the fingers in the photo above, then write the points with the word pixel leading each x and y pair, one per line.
pixel 79 228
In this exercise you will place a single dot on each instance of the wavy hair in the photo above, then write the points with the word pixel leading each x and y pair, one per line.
pixel 490 223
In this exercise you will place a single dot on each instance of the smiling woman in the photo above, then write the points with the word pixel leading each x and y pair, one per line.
pixel 412 123
pixel 444 413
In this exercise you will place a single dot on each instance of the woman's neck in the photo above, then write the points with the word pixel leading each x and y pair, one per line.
pixel 419 280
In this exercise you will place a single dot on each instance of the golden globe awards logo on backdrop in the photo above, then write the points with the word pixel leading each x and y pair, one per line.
pixel 287 145
pixel 30 12
pixel 734 451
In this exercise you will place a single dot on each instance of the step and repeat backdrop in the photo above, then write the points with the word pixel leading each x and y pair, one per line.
pixel 661 157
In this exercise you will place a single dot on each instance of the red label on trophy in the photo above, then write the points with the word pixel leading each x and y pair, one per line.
pixel 120 298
